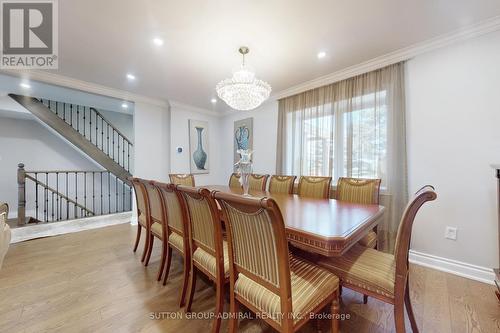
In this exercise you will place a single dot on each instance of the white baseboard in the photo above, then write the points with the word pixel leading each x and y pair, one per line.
pixel 478 273
pixel 65 227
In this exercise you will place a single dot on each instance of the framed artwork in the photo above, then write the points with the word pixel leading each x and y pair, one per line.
pixel 242 136
pixel 199 153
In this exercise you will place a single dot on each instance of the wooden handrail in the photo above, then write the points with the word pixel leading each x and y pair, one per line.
pixel 59 194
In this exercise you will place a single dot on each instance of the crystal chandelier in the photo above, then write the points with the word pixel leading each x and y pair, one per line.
pixel 243 91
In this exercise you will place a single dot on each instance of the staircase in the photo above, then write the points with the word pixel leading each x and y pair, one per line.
pixel 58 195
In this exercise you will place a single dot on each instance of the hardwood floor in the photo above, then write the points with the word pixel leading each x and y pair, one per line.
pixel 91 281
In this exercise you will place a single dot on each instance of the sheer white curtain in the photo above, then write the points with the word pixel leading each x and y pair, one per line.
pixel 354 128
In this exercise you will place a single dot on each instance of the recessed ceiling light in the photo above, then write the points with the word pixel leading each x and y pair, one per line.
pixel 130 76
pixel 213 100
pixel 124 105
pixel 25 85
pixel 158 41
pixel 321 55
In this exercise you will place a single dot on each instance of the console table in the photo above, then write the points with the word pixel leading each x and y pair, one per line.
pixel 497 270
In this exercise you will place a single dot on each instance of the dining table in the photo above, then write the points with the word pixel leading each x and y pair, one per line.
pixel 327 227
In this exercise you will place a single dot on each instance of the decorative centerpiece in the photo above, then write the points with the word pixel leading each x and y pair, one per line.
pixel 244 167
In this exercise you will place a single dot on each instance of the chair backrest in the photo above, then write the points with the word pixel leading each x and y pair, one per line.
pixel 182 179
pixel 141 197
pixel 358 190
pixel 314 187
pixel 234 180
pixel 257 242
pixel 281 184
pixel 403 237
pixel 204 223
pixel 4 208
pixel 157 209
pixel 257 182
pixel 174 206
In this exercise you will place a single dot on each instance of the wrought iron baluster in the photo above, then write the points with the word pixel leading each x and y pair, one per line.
pixel 71 114
pixel 118 139
pixel 101 191
pixel 67 196
pixel 113 135
pixel 107 138
pixel 57 197
pixel 36 196
pixel 116 194
pixel 90 126
pixel 78 118
pixel 93 191
pixel 123 196
pixel 109 194
pixel 102 135
pixel 46 199
pixel 96 128
pixel 84 123
pixel 85 189
pixel 76 190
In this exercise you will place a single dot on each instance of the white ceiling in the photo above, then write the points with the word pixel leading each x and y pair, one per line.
pixel 100 41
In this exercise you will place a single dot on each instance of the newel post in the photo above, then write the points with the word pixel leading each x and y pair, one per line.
pixel 21 194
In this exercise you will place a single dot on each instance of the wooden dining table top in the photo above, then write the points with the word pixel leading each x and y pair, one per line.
pixel 324 226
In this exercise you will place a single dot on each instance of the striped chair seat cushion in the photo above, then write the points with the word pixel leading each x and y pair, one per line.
pixel 207 261
pixel 176 241
pixel 369 240
pixel 142 220
pixel 157 228
pixel 366 268
pixel 311 285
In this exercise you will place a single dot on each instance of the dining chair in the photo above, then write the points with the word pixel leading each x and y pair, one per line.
pixel 314 187
pixel 158 225
pixel 257 182
pixel 182 179
pixel 382 275
pixel 142 205
pixel 5 233
pixel 208 249
pixel 234 180
pixel 281 184
pixel 285 289
pixel 177 231
pixel 361 191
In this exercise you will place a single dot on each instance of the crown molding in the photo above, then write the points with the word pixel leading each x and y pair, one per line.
pixel 94 88
pixel 403 54
pixel 191 108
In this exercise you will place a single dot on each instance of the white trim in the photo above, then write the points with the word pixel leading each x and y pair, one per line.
pixel 191 108
pixel 406 53
pixel 65 227
pixel 469 271
pixel 90 87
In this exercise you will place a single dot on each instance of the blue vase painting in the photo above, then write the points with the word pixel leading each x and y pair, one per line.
pixel 243 136
pixel 198 146
pixel 199 156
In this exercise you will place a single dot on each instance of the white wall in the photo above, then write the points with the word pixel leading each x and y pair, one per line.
pixel 265 127
pixel 27 141
pixel 180 162
pixel 152 141
pixel 453 135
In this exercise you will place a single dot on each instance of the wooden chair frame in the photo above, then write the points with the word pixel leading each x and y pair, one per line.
pixel 138 185
pixel 252 205
pixel 165 230
pixel 174 176
pixel 278 178
pixel 186 255
pixel 314 179
pixel 262 179
pixel 219 279
pixel 401 286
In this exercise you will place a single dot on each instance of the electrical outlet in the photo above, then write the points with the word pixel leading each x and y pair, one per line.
pixel 450 233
